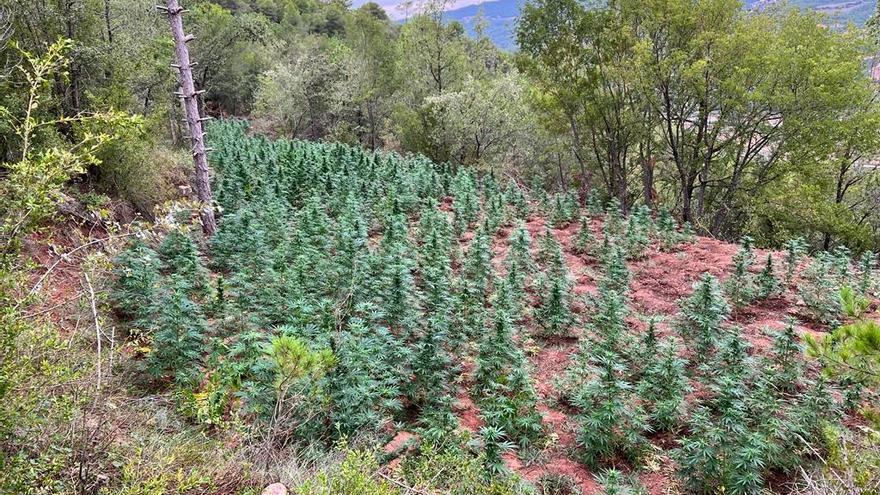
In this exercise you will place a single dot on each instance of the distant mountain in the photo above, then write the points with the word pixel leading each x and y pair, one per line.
pixel 501 15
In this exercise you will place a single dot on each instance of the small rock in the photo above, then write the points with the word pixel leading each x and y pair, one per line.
pixel 275 489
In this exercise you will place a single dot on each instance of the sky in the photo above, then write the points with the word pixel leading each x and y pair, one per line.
pixel 393 10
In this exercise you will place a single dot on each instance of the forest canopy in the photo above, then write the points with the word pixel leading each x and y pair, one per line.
pixel 740 122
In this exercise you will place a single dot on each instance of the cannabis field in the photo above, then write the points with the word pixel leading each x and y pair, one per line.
pixel 450 331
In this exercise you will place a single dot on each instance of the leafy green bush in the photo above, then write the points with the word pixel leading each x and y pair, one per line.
pixel 355 475
pixel 852 304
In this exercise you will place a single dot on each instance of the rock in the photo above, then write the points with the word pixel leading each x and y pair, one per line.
pixel 275 489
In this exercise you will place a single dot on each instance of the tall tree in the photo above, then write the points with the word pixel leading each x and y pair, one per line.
pixel 189 95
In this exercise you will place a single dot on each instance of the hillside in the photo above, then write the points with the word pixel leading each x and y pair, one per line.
pixel 351 294
pixel 501 15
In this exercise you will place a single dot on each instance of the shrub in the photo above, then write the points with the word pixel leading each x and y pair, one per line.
pixel 452 470
pixel 558 484
pixel 355 475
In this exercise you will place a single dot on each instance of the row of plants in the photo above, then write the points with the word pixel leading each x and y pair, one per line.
pixel 345 289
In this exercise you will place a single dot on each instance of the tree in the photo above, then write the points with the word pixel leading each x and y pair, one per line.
pixel 483 121
pixel 193 118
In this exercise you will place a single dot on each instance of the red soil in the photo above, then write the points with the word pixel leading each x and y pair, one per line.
pixel 659 280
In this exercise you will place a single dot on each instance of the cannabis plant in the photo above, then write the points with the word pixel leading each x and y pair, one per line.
pixel 612 422
pixel 586 240
pixel 663 386
pixel 867 267
pixel 740 286
pixel 178 334
pixel 795 249
pixel 504 390
pixel 766 282
pixel 136 272
pixel 702 317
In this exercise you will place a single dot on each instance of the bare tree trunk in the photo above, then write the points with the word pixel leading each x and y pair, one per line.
pixel 189 95
pixel 648 163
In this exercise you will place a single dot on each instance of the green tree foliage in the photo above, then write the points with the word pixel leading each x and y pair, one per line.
pixel 653 118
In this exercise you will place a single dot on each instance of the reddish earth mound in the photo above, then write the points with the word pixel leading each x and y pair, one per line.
pixel 659 280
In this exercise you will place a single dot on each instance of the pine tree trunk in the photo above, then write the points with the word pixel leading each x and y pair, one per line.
pixel 193 121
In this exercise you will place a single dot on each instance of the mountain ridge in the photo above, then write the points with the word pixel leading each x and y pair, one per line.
pixel 500 15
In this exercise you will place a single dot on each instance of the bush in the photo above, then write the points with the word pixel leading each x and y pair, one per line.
pixel 355 475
